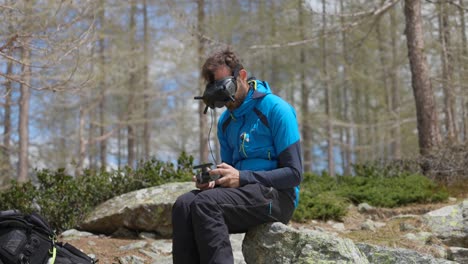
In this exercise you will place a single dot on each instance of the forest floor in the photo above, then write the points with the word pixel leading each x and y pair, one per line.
pixel 106 249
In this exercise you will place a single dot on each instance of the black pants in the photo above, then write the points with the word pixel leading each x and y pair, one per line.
pixel 203 220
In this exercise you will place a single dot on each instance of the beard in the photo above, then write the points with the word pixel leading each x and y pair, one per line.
pixel 239 98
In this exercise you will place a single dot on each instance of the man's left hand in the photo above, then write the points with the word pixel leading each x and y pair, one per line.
pixel 229 176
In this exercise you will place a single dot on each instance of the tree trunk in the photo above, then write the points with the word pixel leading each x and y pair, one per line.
pixel 384 79
pixel 447 70
pixel 201 106
pixel 395 89
pixel 23 129
pixel 131 92
pixel 82 141
pixel 328 99
pixel 306 128
pixel 428 131
pixel 463 73
pixel 146 88
pixel 348 144
pixel 6 169
pixel 102 85
pixel 25 88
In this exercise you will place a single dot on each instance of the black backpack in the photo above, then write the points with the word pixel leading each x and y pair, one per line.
pixel 28 239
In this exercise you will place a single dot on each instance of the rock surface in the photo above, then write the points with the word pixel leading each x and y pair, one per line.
pixel 378 255
pixel 450 224
pixel 143 210
pixel 278 243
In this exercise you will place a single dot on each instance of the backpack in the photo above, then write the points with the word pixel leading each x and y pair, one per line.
pixel 28 239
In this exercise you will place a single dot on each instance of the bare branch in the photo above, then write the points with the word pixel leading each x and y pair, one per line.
pixel 451 2
pixel 12 78
pixel 373 13
pixel 9 42
pixel 10 8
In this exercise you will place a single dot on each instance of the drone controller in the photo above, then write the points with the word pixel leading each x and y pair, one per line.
pixel 204 176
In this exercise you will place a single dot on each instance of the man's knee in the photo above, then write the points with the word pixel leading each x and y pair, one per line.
pixel 183 202
pixel 205 200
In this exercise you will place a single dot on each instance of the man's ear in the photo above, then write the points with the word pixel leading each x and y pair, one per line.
pixel 243 74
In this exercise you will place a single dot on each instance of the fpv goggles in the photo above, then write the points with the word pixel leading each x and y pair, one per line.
pixel 218 93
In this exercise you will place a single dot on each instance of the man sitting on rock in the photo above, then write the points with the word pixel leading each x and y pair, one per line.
pixel 260 172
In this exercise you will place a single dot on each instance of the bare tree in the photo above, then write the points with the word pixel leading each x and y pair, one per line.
pixel 146 88
pixel 428 131
pixel 463 71
pixel 306 127
pixel 395 88
pixel 384 66
pixel 131 134
pixel 347 142
pixel 328 95
pixel 203 152
pixel 23 127
pixel 102 83
pixel 447 72
pixel 5 164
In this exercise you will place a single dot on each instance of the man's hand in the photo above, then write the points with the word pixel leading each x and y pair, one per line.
pixel 203 186
pixel 229 176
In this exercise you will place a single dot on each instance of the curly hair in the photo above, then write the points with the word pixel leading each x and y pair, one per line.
pixel 225 57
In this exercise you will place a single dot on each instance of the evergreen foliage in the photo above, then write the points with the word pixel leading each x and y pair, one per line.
pixel 64 200
pixel 323 197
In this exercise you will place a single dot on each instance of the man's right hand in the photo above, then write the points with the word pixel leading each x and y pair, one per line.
pixel 203 186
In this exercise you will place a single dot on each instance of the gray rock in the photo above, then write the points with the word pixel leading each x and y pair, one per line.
pixel 277 243
pixel 371 225
pixel 162 247
pixel 147 235
pixel 143 210
pixel 450 224
pixel 458 254
pixel 150 254
pixel 365 207
pixel 339 227
pixel 75 233
pixel 136 245
pixel 421 237
pixel 378 255
pixel 131 260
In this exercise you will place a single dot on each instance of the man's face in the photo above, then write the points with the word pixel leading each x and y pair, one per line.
pixel 242 86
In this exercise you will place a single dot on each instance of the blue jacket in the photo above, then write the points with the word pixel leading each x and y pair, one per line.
pixel 261 139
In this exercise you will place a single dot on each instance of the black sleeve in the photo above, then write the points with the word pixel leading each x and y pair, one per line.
pixel 287 175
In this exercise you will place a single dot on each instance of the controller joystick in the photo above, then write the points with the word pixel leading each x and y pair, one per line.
pixel 204 176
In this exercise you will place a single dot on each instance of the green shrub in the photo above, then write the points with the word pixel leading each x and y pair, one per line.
pixel 324 197
pixel 318 199
pixel 324 206
pixel 19 196
pixel 390 191
pixel 65 200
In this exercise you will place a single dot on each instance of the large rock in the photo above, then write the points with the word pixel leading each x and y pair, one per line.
pixel 459 255
pixel 378 255
pixel 277 243
pixel 450 224
pixel 143 210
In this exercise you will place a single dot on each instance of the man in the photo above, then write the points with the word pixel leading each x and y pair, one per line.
pixel 260 172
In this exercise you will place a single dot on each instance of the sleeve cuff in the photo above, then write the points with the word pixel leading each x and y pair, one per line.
pixel 245 177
